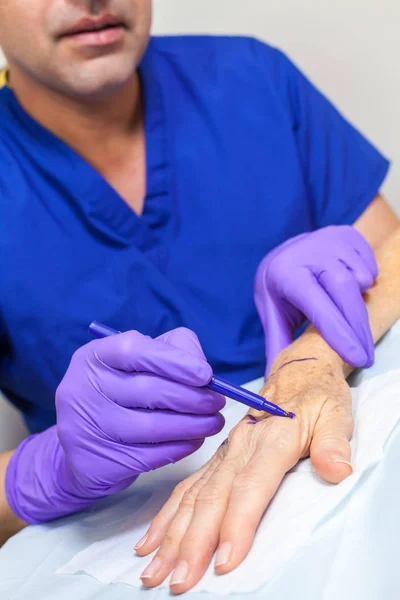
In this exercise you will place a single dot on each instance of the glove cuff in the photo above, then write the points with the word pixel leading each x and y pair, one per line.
pixel 39 484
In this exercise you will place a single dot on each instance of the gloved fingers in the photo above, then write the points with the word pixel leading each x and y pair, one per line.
pixel 321 310
pixel 154 427
pixel 363 248
pixel 343 289
pixel 359 268
pixel 145 390
pixel 183 338
pixel 133 352
pixel 263 268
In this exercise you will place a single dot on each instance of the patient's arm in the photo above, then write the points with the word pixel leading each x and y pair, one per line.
pixel 377 223
pixel 9 523
pixel 382 300
pixel 220 506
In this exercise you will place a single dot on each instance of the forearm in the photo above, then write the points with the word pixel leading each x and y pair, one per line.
pixel 383 305
pixel 10 524
pixel 377 223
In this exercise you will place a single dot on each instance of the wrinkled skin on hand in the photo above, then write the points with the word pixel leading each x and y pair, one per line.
pixel 220 506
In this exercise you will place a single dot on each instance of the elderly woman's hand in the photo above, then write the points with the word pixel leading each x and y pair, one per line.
pixel 220 506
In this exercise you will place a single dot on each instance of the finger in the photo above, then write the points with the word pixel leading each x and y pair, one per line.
pixel 343 289
pixel 313 301
pixel 146 390
pixel 201 538
pixel 253 490
pixel 154 427
pixel 166 558
pixel 206 505
pixel 330 450
pixel 133 352
pixel 183 338
pixel 359 268
pixel 159 525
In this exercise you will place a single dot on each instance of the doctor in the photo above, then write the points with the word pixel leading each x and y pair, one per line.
pixel 142 182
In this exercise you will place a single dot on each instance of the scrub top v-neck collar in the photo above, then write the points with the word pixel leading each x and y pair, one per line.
pixel 99 202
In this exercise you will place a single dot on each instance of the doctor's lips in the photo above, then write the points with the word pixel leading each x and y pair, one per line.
pixel 100 28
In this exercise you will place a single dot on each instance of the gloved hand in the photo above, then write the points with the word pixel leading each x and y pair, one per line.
pixel 320 277
pixel 127 404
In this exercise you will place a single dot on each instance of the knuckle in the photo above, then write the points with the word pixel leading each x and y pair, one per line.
pixel 365 280
pixel 208 496
pixel 276 266
pixel 127 343
pixel 189 497
pixel 270 268
pixel 229 466
pixel 182 338
pixel 180 489
pixel 342 278
pixel 186 332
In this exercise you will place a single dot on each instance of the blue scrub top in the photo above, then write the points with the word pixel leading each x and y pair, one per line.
pixel 242 153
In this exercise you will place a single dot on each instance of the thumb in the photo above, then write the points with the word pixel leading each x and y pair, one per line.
pixel 183 338
pixel 330 451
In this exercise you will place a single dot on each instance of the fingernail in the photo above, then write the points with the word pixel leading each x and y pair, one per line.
pixel 341 460
pixel 179 575
pixel 223 554
pixel 141 542
pixel 152 569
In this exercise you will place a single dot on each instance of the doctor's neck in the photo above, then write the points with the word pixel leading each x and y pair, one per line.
pixel 83 123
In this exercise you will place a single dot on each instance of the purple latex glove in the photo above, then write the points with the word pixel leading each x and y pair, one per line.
pixel 127 404
pixel 320 277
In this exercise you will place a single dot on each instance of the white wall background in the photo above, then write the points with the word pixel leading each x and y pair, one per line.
pixel 349 48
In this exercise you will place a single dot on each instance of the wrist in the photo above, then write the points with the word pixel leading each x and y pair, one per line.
pixel 310 353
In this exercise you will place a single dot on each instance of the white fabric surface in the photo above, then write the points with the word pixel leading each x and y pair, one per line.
pixel 303 503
